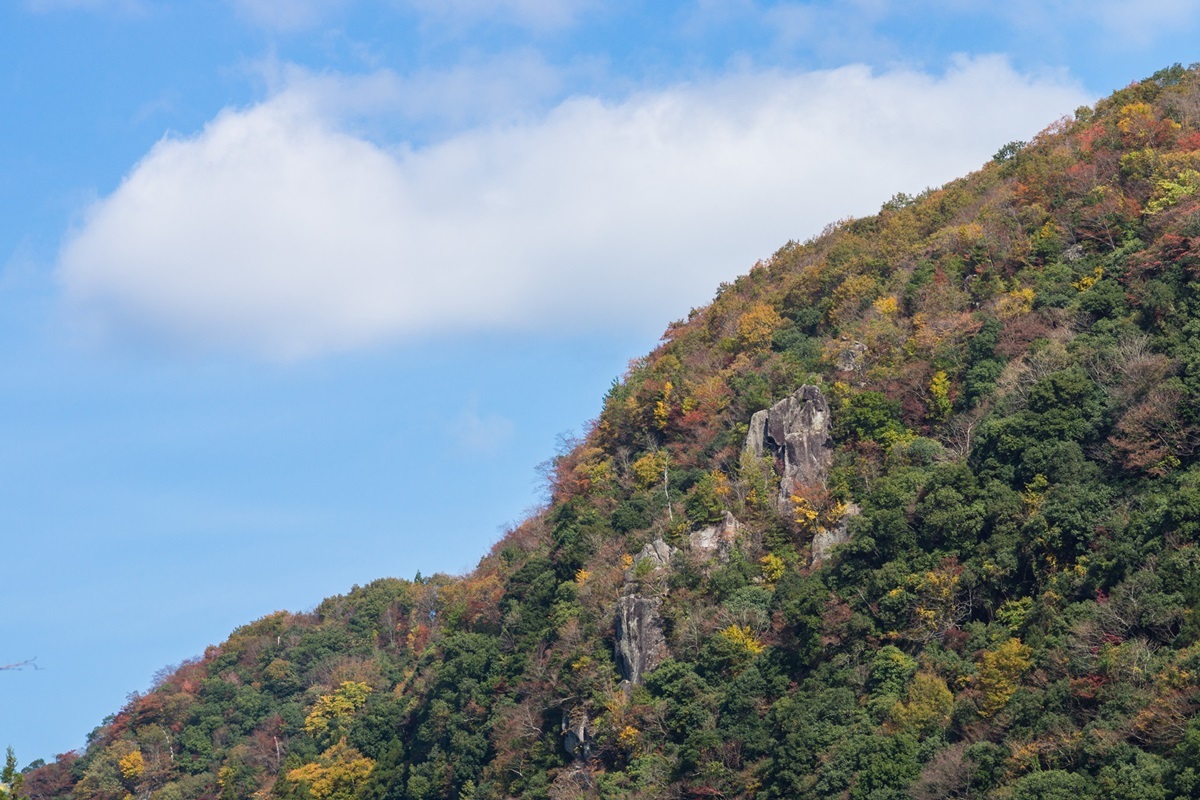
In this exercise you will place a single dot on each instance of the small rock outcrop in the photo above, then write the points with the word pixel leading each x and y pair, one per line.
pixel 829 538
pixel 640 644
pixel 716 539
pixel 658 551
pixel 577 734
pixel 795 430
pixel 850 357
pixel 756 438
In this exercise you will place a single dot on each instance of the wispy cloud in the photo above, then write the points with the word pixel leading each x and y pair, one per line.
pixel 276 231
pixel 495 89
pixel 857 27
pixel 124 6
pixel 287 15
pixel 536 15
pixel 481 433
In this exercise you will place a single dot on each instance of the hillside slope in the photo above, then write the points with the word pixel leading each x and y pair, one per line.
pixel 910 510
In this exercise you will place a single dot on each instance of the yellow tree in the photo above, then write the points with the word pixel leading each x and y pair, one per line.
pixel 926 706
pixel 337 774
pixel 331 714
pixel 999 672
pixel 757 327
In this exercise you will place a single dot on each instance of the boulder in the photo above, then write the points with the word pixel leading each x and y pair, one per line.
pixel 850 357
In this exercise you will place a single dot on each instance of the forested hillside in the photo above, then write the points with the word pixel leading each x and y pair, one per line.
pixel 910 510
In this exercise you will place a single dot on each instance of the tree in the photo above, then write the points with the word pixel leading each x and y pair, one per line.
pixel 331 714
pixel 999 671
pixel 10 779
pixel 338 774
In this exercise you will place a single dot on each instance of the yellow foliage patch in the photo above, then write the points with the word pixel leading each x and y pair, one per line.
pixel 926 707
pixel 741 636
pixel 628 737
pixel 662 408
pixel 803 511
pixel 332 711
pixel 1088 281
pixel 339 773
pixel 999 671
pixel 939 395
pixel 1016 303
pixel 132 766
pixel 648 470
pixel 757 326
pixel 772 568
pixel 887 306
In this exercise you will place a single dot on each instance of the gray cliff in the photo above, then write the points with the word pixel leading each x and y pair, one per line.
pixel 640 644
pixel 796 430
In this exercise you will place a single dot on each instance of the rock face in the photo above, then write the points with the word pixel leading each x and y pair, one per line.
pixel 827 539
pixel 577 734
pixel 850 357
pixel 716 539
pixel 640 644
pixel 658 552
pixel 795 430
pixel 756 438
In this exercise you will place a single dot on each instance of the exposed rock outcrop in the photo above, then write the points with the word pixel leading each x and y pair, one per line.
pixel 640 645
pixel 756 438
pixel 716 539
pixel 658 552
pixel 795 430
pixel 577 734
pixel 829 538
pixel 850 356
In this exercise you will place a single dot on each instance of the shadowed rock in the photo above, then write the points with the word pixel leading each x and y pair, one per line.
pixel 796 430
pixel 577 734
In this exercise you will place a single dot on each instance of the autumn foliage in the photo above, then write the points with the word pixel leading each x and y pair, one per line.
pixel 1012 363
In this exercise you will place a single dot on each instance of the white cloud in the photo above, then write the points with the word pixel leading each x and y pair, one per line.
pixel 275 231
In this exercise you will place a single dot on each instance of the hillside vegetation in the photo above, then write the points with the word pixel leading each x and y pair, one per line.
pixel 1002 603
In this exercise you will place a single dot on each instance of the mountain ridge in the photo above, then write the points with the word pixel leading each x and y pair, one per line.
pixel 984 588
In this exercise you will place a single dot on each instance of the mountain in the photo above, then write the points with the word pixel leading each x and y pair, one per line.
pixel 912 509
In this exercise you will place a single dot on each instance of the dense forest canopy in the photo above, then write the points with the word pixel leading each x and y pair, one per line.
pixel 981 583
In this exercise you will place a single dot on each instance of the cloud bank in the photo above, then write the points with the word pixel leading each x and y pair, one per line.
pixel 279 232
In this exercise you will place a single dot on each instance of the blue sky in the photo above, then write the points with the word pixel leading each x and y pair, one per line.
pixel 297 294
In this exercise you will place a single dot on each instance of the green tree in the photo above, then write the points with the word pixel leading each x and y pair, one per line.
pixel 10 779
